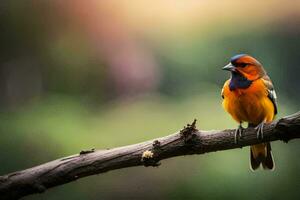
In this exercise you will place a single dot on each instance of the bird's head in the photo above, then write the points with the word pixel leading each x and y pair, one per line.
pixel 247 66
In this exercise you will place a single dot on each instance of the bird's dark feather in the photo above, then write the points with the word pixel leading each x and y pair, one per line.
pixel 236 57
pixel 271 92
pixel 238 81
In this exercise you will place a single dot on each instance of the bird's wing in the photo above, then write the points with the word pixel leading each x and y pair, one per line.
pixel 271 92
pixel 222 93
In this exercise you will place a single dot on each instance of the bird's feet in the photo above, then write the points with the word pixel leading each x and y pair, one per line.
pixel 260 131
pixel 238 134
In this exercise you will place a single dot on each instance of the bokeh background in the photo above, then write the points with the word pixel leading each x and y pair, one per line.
pixel 77 75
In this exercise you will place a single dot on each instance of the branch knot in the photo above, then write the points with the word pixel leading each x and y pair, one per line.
pixel 148 159
pixel 187 133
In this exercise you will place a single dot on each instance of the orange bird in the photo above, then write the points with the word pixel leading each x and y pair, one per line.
pixel 249 96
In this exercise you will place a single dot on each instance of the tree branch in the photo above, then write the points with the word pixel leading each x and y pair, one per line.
pixel 186 142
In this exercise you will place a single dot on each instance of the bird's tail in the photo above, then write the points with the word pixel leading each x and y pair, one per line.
pixel 261 154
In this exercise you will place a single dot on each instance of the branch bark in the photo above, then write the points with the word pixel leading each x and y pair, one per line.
pixel 185 142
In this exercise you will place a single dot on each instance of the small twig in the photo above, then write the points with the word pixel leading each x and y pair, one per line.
pixel 86 151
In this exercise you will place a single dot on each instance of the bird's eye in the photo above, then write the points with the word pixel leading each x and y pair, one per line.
pixel 243 64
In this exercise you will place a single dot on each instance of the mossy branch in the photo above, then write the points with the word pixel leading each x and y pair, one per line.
pixel 185 142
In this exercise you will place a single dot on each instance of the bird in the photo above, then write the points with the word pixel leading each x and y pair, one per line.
pixel 249 97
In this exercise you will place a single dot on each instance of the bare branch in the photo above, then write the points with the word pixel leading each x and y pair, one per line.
pixel 186 142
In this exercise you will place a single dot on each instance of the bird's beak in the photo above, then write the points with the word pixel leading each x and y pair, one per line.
pixel 229 67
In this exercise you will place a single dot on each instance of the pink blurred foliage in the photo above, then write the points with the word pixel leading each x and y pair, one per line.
pixel 132 68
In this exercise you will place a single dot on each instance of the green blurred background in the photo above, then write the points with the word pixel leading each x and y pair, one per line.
pixel 77 75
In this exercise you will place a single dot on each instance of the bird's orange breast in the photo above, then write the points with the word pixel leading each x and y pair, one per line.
pixel 250 104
